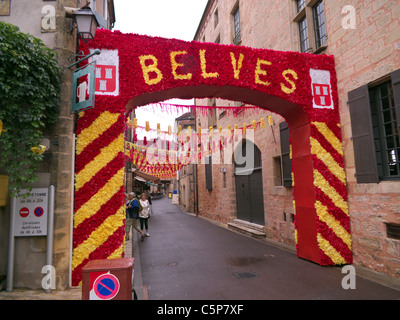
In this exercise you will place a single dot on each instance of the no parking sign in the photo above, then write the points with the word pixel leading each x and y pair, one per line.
pixel 105 287
pixel 108 279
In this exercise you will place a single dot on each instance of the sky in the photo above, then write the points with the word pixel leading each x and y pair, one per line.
pixel 176 19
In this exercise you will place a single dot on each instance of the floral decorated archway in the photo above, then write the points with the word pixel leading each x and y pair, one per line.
pixel 134 70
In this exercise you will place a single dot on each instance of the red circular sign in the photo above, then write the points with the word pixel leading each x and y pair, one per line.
pixel 24 212
pixel 106 286
pixel 38 212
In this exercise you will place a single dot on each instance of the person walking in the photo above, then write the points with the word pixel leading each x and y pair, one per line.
pixel 151 207
pixel 144 215
pixel 132 215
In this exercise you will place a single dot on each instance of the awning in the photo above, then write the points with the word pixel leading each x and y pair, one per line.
pixel 143 181
pixel 156 185
pixel 146 176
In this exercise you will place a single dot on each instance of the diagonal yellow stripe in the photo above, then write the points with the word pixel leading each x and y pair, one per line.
pixel 330 136
pixel 320 182
pixel 115 255
pixel 330 251
pixel 107 154
pixel 118 252
pixel 328 160
pixel 101 124
pixel 331 222
pixel 98 237
pixel 94 204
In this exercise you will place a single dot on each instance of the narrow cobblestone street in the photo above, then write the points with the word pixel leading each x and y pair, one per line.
pixel 187 257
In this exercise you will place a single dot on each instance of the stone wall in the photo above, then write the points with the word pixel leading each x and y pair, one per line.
pixel 57 168
pixel 364 55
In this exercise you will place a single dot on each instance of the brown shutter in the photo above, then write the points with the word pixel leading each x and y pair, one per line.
pixel 396 93
pixel 285 150
pixel 209 173
pixel 362 136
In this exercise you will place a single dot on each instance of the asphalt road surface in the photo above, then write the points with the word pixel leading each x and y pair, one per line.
pixel 189 258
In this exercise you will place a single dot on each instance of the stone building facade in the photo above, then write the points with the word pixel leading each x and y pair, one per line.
pixel 46 20
pixel 186 182
pixel 364 37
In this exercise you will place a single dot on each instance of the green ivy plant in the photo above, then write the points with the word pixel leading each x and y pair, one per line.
pixel 29 102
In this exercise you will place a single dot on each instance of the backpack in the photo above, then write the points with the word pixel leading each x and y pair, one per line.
pixel 136 204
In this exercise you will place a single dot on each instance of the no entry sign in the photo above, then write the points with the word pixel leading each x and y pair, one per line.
pixel 24 212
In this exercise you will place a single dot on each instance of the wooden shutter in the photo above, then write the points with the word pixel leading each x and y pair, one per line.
pixel 396 94
pixel 209 173
pixel 285 150
pixel 362 136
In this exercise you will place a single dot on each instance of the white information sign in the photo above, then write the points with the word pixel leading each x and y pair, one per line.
pixel 31 213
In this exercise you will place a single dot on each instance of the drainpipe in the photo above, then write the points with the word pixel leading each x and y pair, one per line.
pixel 196 186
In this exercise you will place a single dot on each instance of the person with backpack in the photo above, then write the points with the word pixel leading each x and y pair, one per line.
pixel 132 215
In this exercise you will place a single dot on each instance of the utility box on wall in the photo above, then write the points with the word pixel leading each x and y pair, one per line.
pixel 3 190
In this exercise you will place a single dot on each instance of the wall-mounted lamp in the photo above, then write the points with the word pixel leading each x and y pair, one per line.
pixel 86 21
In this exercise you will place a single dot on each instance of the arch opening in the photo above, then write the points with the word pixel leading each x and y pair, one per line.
pixel 292 113
pixel 302 162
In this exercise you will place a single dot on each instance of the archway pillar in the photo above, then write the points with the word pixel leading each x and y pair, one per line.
pixel 99 202
pixel 304 196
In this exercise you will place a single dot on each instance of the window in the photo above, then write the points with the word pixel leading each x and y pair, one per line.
pixel 303 35
pixel 208 170
pixel 311 13
pixel 319 24
pixel 236 25
pixel 374 112
pixel 212 113
pixel 300 5
pixel 393 230
pixel 385 130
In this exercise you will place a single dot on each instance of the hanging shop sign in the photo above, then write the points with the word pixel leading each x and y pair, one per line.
pixel 83 88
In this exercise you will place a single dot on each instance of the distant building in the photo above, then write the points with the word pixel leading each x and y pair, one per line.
pixel 186 179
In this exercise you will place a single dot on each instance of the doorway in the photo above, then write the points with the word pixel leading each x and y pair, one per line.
pixel 248 182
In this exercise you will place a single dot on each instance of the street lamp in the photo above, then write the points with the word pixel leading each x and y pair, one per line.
pixel 86 21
